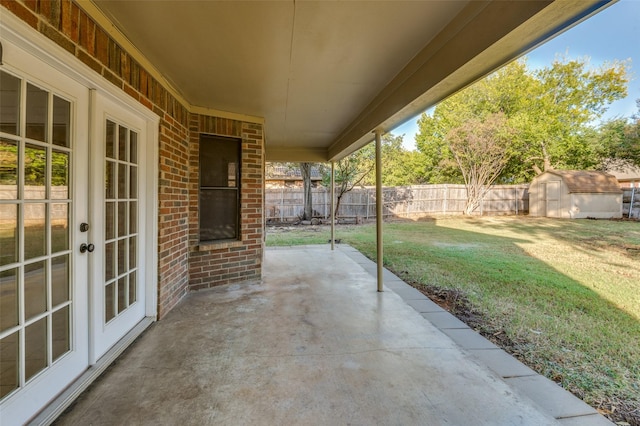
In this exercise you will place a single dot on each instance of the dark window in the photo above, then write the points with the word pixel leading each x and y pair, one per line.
pixel 219 188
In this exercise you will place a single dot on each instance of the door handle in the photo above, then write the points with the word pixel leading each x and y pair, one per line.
pixel 87 248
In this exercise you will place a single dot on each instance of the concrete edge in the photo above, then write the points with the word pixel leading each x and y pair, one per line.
pixel 549 396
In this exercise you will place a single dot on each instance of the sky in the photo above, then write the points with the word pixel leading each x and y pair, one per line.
pixel 613 34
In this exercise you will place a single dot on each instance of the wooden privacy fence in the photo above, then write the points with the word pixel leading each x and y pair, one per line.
pixel 286 204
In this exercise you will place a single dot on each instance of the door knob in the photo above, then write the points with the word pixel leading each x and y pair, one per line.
pixel 84 227
pixel 87 248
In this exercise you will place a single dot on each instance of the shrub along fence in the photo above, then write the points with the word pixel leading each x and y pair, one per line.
pixel 286 204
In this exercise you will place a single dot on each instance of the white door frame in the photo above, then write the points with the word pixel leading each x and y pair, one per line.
pixel 29 399
pixel 15 34
pixel 103 336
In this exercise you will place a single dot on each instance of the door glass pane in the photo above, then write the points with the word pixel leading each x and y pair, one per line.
pixel 110 220
pixel 133 147
pixel 132 253
pixel 109 302
pixel 59 227
pixel 8 364
pixel 35 289
pixel 133 217
pixel 109 262
pixel 8 170
pixel 61 122
pixel 8 234
pixel 122 181
pixel 35 339
pixel 122 256
pixel 9 103
pixel 110 137
pixel 122 218
pixel 133 182
pixel 133 289
pixel 35 172
pixel 37 102
pixel 59 175
pixel 59 280
pixel 122 144
pixel 35 236
pixel 8 299
pixel 122 294
pixel 110 180
pixel 60 333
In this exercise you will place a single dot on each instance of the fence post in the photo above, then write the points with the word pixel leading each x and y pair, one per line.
pixel 282 204
pixel 325 204
pixel 366 215
pixel 515 198
pixel 444 201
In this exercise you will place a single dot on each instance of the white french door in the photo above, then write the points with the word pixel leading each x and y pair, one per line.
pixel 117 272
pixel 43 200
pixel 77 172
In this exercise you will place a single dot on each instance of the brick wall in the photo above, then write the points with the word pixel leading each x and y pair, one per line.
pixel 228 262
pixel 65 23
pixel 173 205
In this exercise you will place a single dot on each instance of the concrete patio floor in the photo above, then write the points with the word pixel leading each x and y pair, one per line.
pixel 315 344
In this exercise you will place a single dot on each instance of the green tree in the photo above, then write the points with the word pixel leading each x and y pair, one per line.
pixel 400 167
pixel 480 151
pixel 617 142
pixel 550 112
pixel 350 172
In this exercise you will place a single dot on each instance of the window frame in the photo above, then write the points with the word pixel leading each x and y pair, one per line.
pixel 205 138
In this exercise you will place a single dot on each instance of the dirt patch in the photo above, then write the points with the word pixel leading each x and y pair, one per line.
pixel 455 302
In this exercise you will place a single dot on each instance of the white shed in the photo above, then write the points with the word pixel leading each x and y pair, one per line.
pixel 575 194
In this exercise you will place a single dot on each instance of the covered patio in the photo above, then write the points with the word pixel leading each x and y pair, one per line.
pixel 164 115
pixel 315 343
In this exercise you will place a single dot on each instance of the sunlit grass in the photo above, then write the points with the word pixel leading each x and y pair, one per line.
pixel 566 293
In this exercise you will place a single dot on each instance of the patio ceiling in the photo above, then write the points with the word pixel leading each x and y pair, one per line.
pixel 322 75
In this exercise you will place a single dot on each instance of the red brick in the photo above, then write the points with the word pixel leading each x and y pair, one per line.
pixel 87 33
pixel 65 18
pixel 32 4
pixel 102 46
pixel 21 12
pixel 131 92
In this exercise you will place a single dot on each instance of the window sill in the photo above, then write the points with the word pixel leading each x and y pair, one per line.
pixel 217 245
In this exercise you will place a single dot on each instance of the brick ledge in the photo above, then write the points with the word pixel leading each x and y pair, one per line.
pixel 217 245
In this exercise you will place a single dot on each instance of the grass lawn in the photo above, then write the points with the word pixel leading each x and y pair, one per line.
pixel 563 296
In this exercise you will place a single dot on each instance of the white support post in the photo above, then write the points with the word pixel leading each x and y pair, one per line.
pixel 333 202
pixel 379 210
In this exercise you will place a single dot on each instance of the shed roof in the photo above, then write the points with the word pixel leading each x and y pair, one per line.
pixel 587 181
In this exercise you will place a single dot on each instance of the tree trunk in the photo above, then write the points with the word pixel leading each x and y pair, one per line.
pixel 335 212
pixel 547 159
pixel 305 171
